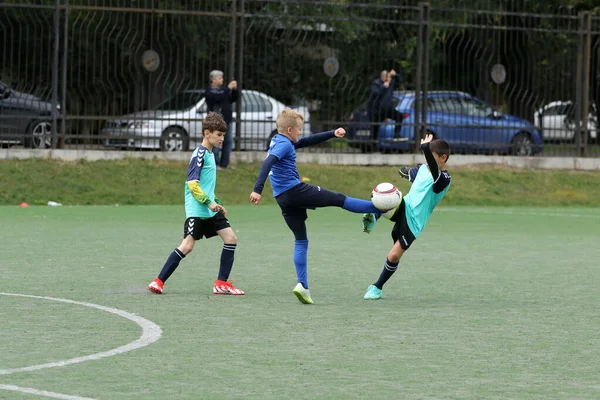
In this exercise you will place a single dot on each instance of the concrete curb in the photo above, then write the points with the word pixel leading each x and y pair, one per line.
pixel 565 163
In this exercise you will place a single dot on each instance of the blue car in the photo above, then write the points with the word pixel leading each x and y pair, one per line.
pixel 469 124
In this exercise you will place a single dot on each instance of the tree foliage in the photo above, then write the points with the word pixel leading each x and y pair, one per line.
pixel 285 44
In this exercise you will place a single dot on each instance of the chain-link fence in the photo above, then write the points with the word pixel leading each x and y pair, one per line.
pixel 505 77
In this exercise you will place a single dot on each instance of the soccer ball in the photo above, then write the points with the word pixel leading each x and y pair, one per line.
pixel 386 196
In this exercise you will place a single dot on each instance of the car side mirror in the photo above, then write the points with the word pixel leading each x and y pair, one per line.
pixel 497 115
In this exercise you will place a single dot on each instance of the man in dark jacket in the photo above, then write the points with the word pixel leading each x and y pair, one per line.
pixel 219 98
pixel 381 104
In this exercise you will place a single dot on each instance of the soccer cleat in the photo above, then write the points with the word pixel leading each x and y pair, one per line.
pixel 368 221
pixel 302 294
pixel 404 172
pixel 156 286
pixel 226 287
pixel 373 293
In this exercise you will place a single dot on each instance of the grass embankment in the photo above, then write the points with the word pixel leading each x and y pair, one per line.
pixel 150 182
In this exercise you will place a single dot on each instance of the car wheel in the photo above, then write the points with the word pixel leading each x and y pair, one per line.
pixel 174 139
pixel 270 138
pixel 39 135
pixel 522 145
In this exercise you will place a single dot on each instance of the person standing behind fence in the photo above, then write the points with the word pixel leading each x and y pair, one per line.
pixel 374 104
pixel 219 98
pixel 380 104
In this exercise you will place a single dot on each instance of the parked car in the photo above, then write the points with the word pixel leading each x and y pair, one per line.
pixel 176 124
pixel 25 119
pixel 557 122
pixel 469 124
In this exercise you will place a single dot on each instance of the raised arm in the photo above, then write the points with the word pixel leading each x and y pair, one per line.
pixel 314 139
pixel 441 179
pixel 431 163
pixel 319 138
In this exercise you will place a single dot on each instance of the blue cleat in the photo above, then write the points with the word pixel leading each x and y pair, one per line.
pixel 373 293
pixel 369 220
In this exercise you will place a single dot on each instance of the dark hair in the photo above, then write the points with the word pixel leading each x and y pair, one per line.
pixel 441 147
pixel 214 122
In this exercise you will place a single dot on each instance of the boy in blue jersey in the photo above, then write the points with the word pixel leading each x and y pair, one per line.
pixel 295 197
pixel 430 183
pixel 205 216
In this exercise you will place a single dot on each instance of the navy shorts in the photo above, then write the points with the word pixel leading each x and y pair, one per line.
pixel 401 232
pixel 295 201
pixel 199 227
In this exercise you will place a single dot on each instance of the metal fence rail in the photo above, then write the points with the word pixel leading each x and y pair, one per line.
pixel 512 78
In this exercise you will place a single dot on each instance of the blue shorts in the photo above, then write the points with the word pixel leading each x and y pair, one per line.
pixel 295 201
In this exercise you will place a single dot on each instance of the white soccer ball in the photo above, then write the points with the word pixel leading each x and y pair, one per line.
pixel 386 196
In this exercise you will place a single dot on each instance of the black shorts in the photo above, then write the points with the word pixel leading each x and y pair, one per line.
pixel 401 232
pixel 199 227
pixel 295 201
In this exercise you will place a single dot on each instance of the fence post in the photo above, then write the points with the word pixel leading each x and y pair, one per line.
pixel 418 69
pixel 586 81
pixel 232 40
pixel 579 84
pixel 240 76
pixel 55 60
pixel 63 101
pixel 425 83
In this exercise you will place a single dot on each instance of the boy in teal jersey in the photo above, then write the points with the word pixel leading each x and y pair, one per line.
pixel 205 216
pixel 430 183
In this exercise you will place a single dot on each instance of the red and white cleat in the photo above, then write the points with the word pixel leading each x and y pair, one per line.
pixel 156 286
pixel 222 287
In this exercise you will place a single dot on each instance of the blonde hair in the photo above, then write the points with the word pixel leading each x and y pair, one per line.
pixel 288 118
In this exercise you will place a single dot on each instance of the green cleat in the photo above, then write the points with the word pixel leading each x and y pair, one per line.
pixel 302 294
pixel 373 293
pixel 368 221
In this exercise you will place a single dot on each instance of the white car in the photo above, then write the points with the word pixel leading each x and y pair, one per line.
pixel 176 124
pixel 557 124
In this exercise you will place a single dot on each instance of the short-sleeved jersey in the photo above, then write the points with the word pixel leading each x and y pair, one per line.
pixel 422 199
pixel 283 175
pixel 202 168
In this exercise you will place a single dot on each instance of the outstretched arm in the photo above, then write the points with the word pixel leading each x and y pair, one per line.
pixel 319 138
pixel 314 139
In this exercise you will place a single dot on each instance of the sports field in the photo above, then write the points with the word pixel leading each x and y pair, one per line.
pixel 489 303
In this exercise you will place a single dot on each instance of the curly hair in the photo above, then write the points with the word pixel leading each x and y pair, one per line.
pixel 214 122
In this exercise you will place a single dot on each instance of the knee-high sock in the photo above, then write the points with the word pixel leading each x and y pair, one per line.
pixel 300 261
pixel 388 270
pixel 171 265
pixel 360 206
pixel 227 256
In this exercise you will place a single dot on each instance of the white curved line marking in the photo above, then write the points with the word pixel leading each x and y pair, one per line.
pixel 42 393
pixel 150 334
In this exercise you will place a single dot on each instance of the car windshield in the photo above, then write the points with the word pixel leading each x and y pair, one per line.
pixel 181 101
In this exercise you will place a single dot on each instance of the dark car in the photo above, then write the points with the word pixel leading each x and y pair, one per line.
pixel 25 119
pixel 469 124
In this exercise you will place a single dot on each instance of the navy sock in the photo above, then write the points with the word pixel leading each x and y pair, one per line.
pixel 360 206
pixel 300 261
pixel 226 261
pixel 171 265
pixel 388 270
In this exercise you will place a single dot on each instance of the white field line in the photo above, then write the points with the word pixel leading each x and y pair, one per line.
pixel 42 393
pixel 151 332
